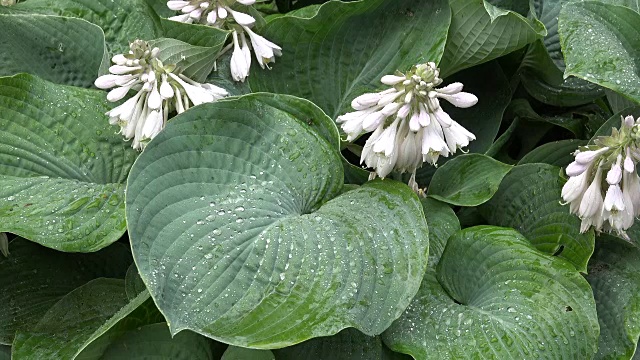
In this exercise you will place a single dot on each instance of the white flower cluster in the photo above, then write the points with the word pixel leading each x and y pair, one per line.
pixel 220 14
pixel 409 126
pixel 611 201
pixel 159 90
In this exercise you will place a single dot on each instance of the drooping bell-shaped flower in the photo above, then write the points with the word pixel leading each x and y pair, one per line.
pixel 410 110
pixel 230 15
pixel 159 90
pixel 606 202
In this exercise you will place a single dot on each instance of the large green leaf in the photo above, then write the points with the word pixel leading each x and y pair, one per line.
pixel 59 49
pixel 614 275
pixel 493 296
pixel 528 200
pixel 75 321
pixel 62 167
pixel 238 234
pixel 345 49
pixel 349 344
pixel 122 21
pixel 5 352
pixel 33 278
pixel 467 180
pixel 155 342
pixel 481 32
pixel 601 44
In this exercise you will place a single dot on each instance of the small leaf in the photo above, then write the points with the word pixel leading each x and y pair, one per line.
pixel 76 321
pixel 34 278
pixel 529 201
pixel 62 166
pixel 495 296
pixel 195 62
pixel 467 180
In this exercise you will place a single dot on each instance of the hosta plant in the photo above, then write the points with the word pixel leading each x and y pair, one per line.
pixel 309 179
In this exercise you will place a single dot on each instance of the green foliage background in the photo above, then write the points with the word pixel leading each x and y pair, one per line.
pixel 247 229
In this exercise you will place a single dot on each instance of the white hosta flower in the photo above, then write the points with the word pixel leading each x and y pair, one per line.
pixel 222 14
pixel 210 12
pixel 241 58
pixel 608 202
pixel 410 111
pixel 264 49
pixel 159 90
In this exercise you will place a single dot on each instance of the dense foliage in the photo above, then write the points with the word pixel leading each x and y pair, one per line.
pixel 309 179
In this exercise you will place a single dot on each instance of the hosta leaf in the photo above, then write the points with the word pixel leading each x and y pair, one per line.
pixel 122 21
pixel 59 49
pixel 155 341
pixel 33 278
pixel 481 32
pixel 195 62
pixel 495 296
pixel 76 320
pixel 601 43
pixel 442 222
pixel 618 102
pixel 572 91
pixel 529 201
pixel 348 344
pixel 558 153
pixel 194 34
pixel 5 352
pixel 467 180
pixel 614 275
pixel 238 234
pixel 345 49
pixel 62 167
